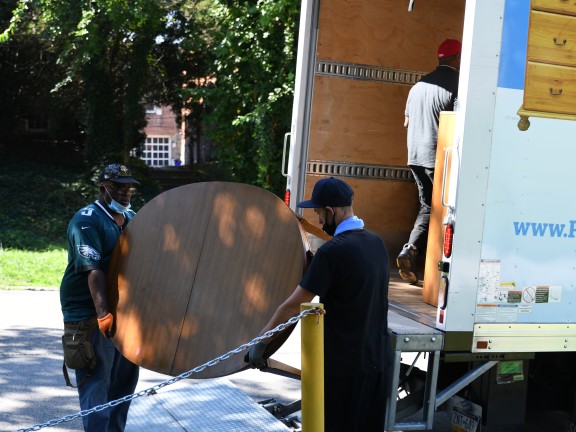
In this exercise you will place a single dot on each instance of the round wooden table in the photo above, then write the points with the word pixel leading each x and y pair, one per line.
pixel 199 271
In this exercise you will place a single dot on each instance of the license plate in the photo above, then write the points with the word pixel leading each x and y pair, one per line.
pixel 464 422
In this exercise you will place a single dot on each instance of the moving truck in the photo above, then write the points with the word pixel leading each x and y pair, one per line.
pixel 498 286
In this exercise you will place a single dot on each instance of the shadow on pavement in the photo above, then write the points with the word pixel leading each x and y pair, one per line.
pixel 32 387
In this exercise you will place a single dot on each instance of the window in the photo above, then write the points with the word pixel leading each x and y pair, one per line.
pixel 157 151
pixel 153 109
pixel 36 124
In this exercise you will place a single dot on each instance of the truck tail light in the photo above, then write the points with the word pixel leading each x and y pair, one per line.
pixel 448 236
pixel 287 197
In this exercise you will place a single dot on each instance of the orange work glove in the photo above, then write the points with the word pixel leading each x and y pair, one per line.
pixel 105 325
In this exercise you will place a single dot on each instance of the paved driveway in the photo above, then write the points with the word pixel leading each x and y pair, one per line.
pixel 32 389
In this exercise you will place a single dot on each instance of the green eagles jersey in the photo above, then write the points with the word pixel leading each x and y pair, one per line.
pixel 92 235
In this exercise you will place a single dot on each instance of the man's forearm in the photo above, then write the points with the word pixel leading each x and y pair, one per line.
pixel 284 312
pixel 97 285
pixel 288 309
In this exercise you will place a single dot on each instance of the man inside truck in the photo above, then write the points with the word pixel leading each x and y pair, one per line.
pixel 435 92
pixel 350 273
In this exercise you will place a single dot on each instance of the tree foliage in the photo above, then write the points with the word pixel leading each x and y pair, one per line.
pixel 107 58
pixel 29 71
pixel 254 45
pixel 110 52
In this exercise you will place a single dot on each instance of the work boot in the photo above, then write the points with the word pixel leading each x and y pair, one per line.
pixel 406 262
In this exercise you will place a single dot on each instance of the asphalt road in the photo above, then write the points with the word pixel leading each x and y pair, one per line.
pixel 33 391
pixel 32 387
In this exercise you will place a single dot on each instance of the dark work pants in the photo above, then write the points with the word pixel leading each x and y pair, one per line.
pixel 113 378
pixel 355 403
pixel 424 178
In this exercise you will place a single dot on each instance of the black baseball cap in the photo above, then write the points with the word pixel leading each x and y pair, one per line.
pixel 329 192
pixel 117 173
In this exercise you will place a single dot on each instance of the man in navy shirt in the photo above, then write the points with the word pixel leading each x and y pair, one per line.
pixel 350 273
pixel 435 92
pixel 92 235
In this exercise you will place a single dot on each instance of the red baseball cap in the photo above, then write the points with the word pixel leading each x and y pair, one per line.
pixel 449 48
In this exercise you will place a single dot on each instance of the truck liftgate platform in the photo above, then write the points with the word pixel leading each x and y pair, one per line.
pixel 410 336
pixel 217 404
pixel 214 404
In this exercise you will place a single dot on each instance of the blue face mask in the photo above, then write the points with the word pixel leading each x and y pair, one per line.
pixel 114 205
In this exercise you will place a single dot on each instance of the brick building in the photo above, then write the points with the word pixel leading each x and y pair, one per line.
pixel 166 141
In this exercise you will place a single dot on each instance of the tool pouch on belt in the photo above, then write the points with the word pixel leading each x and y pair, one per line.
pixel 78 351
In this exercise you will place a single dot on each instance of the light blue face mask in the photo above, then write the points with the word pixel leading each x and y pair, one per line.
pixel 114 205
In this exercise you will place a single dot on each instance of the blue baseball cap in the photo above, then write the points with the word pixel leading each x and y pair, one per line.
pixel 329 192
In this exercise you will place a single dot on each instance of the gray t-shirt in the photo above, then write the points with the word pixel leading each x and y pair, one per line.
pixel 435 92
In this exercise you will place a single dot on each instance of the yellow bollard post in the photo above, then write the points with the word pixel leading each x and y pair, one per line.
pixel 312 369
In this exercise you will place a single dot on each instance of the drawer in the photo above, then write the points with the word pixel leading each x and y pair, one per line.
pixel 552 38
pixel 550 88
pixel 567 7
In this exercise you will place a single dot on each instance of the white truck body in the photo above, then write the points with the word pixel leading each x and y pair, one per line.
pixel 512 270
pixel 511 278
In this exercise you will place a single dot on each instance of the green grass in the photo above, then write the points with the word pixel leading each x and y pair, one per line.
pixel 21 268
pixel 37 202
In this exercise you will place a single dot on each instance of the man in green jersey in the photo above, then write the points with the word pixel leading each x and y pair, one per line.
pixel 92 235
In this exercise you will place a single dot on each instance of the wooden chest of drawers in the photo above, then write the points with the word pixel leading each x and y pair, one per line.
pixel 550 84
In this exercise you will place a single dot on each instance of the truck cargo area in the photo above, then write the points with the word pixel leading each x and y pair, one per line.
pixel 497 278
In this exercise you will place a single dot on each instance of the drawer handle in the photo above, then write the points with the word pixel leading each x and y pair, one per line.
pixel 559 43
pixel 555 93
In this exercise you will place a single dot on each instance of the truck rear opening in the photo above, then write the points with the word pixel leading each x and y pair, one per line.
pixel 499 282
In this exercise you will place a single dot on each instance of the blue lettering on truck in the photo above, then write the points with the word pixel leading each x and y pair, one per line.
pixel 545 229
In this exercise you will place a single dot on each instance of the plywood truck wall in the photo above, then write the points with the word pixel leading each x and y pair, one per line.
pixel 369 54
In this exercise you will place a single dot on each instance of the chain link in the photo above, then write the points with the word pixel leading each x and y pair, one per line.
pixel 198 369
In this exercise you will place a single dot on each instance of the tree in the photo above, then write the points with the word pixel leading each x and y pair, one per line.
pixel 29 71
pixel 108 49
pixel 230 63
pixel 254 45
